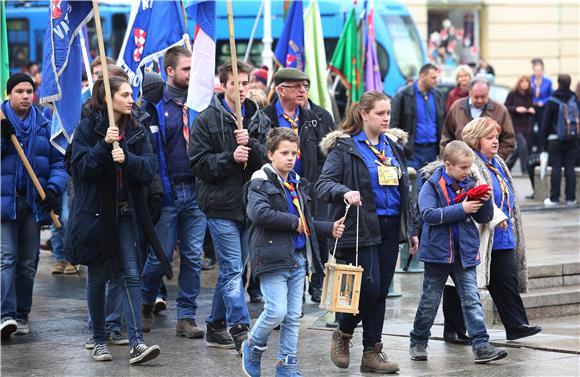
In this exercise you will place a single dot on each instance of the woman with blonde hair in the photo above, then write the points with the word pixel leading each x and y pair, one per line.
pixel 463 75
pixel 503 268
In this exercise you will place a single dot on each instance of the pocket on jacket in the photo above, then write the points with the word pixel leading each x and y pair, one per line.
pixel 84 239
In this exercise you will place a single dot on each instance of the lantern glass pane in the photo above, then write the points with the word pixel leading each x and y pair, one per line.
pixel 346 290
pixel 329 287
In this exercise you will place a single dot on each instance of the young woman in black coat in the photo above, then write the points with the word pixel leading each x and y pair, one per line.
pixel 366 167
pixel 105 224
pixel 520 106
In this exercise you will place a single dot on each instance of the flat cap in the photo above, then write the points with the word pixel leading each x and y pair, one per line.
pixel 289 74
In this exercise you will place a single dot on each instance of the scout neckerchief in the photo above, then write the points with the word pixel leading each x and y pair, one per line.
pixel 505 193
pixel 381 155
pixel 296 202
pixel 185 118
pixel 294 124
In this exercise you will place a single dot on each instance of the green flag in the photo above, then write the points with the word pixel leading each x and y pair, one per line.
pixel 4 68
pixel 315 57
pixel 345 61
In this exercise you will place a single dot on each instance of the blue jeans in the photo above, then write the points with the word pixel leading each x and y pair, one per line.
pixel 421 157
pixel 231 248
pixel 433 283
pixel 57 237
pixel 129 252
pixel 19 260
pixel 113 306
pixel 282 292
pixel 183 221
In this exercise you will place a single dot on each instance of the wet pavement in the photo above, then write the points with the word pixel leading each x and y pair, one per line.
pixel 55 345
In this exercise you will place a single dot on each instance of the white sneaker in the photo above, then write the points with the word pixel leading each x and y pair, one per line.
pixel 23 328
pixel 550 203
pixel 571 203
pixel 8 327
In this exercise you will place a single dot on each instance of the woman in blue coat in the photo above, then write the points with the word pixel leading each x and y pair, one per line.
pixel 366 167
pixel 23 211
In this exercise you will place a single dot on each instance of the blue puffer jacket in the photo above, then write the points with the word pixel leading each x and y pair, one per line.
pixel 438 215
pixel 48 164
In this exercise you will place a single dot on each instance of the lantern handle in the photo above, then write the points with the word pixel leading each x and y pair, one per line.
pixel 356 240
pixel 336 240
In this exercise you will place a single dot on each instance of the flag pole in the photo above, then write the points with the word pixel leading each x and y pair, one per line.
pixel 253 33
pixel 234 59
pixel 187 41
pixel 104 69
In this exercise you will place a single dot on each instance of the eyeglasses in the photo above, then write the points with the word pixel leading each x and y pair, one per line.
pixel 297 86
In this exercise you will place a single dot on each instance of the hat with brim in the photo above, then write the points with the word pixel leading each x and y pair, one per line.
pixel 289 74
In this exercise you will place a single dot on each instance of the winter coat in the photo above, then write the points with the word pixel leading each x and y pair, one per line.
pixel 48 164
pixel 551 113
pixel 92 226
pixel 273 227
pixel 522 121
pixel 455 94
pixel 311 133
pixel 404 113
pixel 437 245
pixel 345 170
pixel 459 115
pixel 211 156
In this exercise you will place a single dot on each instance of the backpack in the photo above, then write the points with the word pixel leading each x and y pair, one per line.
pixel 567 124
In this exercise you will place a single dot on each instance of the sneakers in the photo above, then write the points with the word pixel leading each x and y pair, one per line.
pixel 8 327
pixel 217 336
pixel 101 353
pixel 141 353
pixel 58 267
pixel 251 358
pixel 71 269
pixel 207 264
pixel 571 203
pixel 316 295
pixel 90 343
pixel 159 306
pixel 239 333
pixel 117 339
pixel 488 353
pixel 146 317
pixel 374 360
pixel 188 328
pixel 549 203
pixel 340 348
pixel 23 328
pixel 287 367
pixel 418 352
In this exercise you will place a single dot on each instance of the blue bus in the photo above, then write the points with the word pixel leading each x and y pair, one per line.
pixel 399 47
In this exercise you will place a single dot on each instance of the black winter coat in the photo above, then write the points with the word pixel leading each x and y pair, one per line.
pixel 211 156
pixel 273 227
pixel 404 114
pixel 551 113
pixel 92 225
pixel 345 170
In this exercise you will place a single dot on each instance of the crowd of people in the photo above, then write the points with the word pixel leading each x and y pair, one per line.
pixel 270 194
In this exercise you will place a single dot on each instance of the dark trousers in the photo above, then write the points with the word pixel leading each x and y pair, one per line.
pixel 379 263
pixel 563 153
pixel 521 152
pixel 503 287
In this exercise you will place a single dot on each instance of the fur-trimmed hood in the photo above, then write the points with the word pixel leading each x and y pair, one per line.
pixel 428 170
pixel 329 141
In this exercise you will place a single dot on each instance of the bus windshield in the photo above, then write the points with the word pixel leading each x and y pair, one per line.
pixel 406 44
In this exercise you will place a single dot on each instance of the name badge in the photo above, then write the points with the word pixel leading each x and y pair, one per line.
pixel 388 175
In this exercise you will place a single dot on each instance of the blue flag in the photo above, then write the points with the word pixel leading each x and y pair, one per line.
pixel 62 68
pixel 290 48
pixel 154 27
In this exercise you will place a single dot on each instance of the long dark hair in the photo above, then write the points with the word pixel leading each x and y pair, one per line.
pixel 98 103
pixel 353 122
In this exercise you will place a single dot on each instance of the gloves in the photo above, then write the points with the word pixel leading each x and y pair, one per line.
pixel 474 193
pixel 155 208
pixel 6 129
pixel 50 202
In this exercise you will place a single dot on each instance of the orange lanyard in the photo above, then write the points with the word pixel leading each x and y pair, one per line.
pixel 505 193
pixel 296 202
pixel 381 155
pixel 294 123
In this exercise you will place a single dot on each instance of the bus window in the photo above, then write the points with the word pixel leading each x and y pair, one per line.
pixel 223 51
pixel 119 23
pixel 406 44
pixel 39 44
pixel 384 62
pixel 18 42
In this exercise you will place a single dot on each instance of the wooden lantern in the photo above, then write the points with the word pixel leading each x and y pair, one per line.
pixel 341 288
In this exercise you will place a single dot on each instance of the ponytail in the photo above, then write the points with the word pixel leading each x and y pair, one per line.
pixel 353 122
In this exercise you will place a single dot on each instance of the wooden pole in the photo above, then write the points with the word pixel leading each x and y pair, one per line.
pixel 234 58
pixel 104 69
pixel 187 40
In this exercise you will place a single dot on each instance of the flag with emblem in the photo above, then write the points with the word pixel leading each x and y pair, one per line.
pixel 62 68
pixel 154 26
pixel 290 47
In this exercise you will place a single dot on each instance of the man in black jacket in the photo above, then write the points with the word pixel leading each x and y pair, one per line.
pixel 419 109
pixel 223 158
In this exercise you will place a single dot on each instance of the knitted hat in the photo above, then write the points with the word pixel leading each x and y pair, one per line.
pixel 16 79
pixel 152 87
pixel 261 74
pixel 289 74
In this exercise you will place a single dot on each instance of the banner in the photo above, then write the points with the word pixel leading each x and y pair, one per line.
pixel 290 47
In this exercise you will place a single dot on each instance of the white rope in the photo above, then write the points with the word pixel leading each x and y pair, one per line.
pixel 357 232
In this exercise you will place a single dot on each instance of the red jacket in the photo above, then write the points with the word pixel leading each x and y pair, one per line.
pixel 455 94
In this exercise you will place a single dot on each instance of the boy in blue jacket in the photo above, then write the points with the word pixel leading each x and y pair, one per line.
pixel 283 244
pixel 450 247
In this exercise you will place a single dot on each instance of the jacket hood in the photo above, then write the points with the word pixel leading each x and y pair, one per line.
pixel 267 170
pixel 216 103
pixel 563 94
pixel 428 170
pixel 329 141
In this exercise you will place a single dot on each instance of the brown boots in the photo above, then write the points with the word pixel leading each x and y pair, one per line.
pixel 340 348
pixel 375 361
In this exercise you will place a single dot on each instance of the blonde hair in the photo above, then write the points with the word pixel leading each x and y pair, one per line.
pixel 456 152
pixel 478 128
pixel 259 96
pixel 464 68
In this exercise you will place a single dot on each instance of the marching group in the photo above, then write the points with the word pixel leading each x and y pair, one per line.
pixel 272 193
